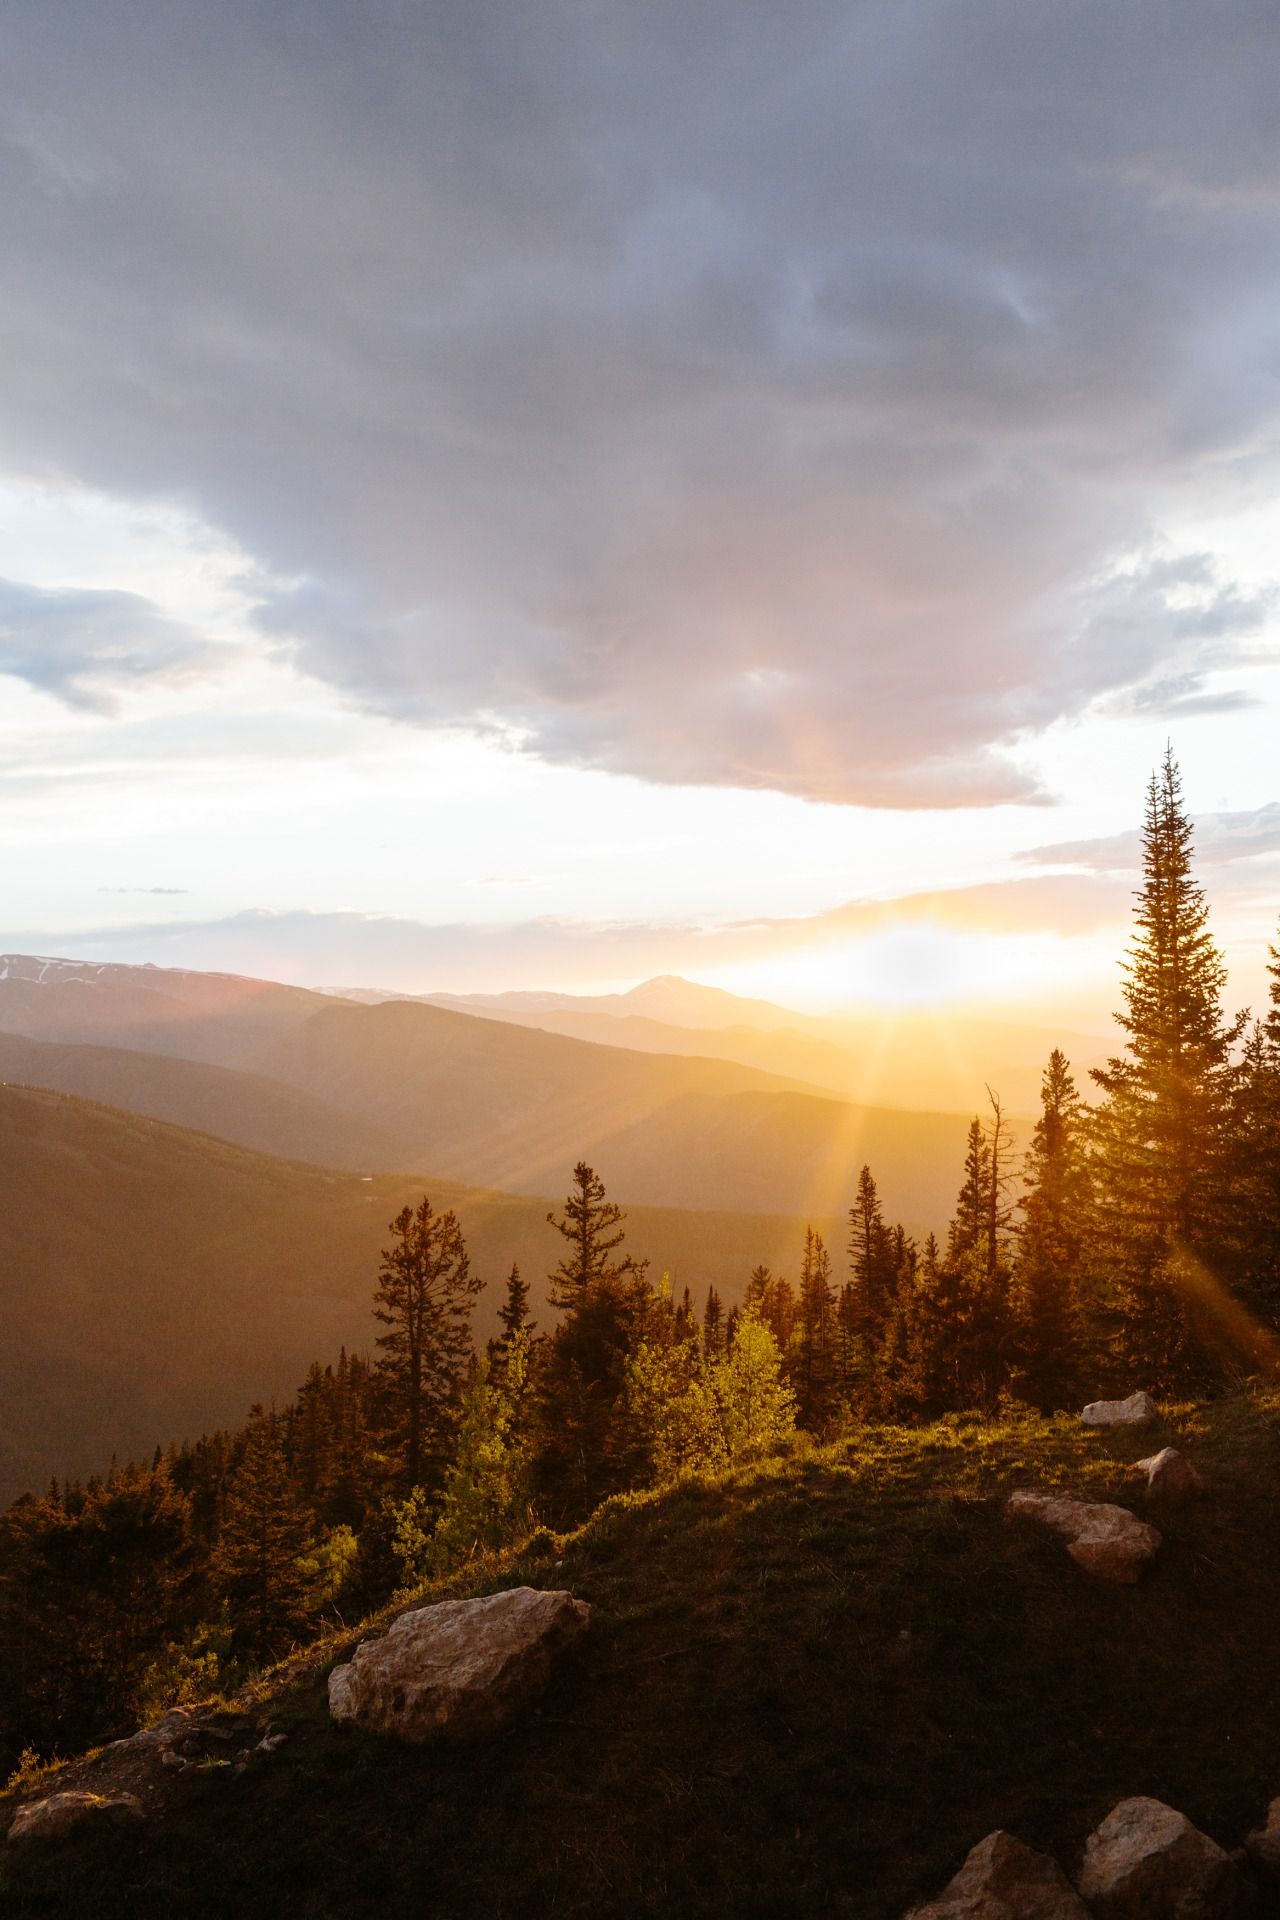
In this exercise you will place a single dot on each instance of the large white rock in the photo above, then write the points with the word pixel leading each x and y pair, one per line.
pixel 1139 1410
pixel 1147 1862
pixel 1170 1475
pixel 1107 1541
pixel 1004 1880
pixel 459 1668
pixel 59 1814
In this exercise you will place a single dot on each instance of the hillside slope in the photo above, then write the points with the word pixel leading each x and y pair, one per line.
pixel 246 1108
pixel 807 1691
pixel 158 1281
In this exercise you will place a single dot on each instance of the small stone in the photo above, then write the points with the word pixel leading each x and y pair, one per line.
pixel 460 1668
pixel 1263 1846
pixel 271 1741
pixel 1107 1541
pixel 1147 1862
pixel 60 1814
pixel 1139 1410
pixel 1170 1475
pixel 1004 1880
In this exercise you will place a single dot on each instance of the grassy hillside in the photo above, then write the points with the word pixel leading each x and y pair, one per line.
pixel 808 1690
pixel 158 1281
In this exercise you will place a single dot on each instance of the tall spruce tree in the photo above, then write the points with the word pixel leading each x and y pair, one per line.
pixel 1051 1241
pixel 264 1539
pixel 812 1361
pixel 973 1204
pixel 424 1298
pixel 1164 1131
pixel 602 1293
pixel 713 1324
pixel 593 1227
pixel 513 1318
pixel 871 1264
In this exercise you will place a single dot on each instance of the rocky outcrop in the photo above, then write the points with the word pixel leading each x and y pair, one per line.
pixel 1263 1846
pixel 1147 1862
pixel 1004 1880
pixel 1139 1410
pixel 1170 1475
pixel 457 1669
pixel 61 1814
pixel 1107 1541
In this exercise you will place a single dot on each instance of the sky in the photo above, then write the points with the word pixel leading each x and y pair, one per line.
pixel 496 496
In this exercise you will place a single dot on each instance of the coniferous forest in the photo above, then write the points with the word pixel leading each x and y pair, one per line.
pixel 1132 1241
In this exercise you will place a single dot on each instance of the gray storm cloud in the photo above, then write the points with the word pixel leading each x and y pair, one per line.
pixel 753 395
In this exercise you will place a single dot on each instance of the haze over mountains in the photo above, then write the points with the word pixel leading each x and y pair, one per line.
pixel 916 1060
pixel 419 1087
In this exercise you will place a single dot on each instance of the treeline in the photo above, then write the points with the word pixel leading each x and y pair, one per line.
pixel 1132 1242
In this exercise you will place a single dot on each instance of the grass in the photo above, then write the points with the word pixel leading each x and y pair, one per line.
pixel 808 1689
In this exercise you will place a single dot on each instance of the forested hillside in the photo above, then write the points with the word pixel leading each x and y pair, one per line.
pixel 158 1281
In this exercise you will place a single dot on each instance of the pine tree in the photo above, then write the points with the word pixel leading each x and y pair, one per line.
pixel 812 1369
pixel 593 1227
pixel 1051 1239
pixel 773 1297
pixel 604 1298
pixel 424 1298
pixel 513 1318
pixel 1257 1155
pixel 713 1324
pixel 1164 1129
pixel 973 1206
pixel 514 1311
pixel 871 1263
pixel 265 1536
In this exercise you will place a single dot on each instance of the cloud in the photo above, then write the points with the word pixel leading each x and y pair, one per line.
pixel 339 950
pixel 1221 840
pixel 752 396
pixel 87 646
pixel 164 890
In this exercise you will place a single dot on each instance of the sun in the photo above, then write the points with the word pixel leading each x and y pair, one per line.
pixel 913 966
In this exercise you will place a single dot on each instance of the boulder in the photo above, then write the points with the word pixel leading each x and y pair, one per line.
pixel 1170 1475
pixel 1004 1880
pixel 60 1814
pixel 1147 1862
pixel 1263 1846
pixel 1107 1541
pixel 457 1669
pixel 1139 1410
